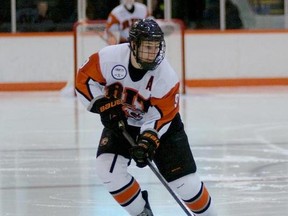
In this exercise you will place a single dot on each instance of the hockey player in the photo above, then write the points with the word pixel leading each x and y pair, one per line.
pixel 121 18
pixel 133 82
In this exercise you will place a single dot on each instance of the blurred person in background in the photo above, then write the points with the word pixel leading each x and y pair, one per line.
pixel 121 18
pixel 35 19
pixel 42 12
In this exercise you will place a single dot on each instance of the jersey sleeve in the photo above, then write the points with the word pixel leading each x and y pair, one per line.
pixel 112 23
pixel 90 81
pixel 162 111
pixel 168 106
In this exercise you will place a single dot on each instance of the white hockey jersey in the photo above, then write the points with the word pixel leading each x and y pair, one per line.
pixel 120 19
pixel 151 102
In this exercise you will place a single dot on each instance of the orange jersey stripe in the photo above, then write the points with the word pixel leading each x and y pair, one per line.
pixel 91 70
pixel 127 194
pixel 168 106
pixel 112 19
pixel 201 202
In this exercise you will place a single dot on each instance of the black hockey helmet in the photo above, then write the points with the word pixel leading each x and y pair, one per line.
pixel 147 30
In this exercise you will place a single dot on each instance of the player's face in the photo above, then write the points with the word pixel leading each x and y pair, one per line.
pixel 128 3
pixel 148 51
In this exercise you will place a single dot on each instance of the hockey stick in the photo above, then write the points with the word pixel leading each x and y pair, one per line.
pixel 155 171
pixel 108 37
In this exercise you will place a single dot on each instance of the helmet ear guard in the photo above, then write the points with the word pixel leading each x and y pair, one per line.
pixel 147 30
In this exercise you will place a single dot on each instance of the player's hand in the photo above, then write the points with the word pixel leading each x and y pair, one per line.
pixel 147 144
pixel 110 110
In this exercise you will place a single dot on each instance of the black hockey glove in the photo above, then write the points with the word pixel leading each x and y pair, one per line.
pixel 110 110
pixel 147 144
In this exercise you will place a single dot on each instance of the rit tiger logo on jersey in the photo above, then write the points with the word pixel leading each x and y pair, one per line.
pixel 134 105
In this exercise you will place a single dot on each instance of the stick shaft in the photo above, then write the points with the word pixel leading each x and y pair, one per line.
pixel 157 173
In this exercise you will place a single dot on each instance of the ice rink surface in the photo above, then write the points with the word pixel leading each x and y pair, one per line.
pixel 239 138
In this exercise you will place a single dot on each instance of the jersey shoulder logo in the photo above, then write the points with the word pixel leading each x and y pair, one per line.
pixel 119 72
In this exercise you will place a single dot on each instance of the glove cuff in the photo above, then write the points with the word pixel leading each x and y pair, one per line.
pixel 151 136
